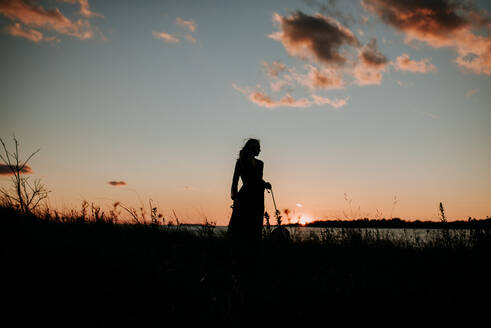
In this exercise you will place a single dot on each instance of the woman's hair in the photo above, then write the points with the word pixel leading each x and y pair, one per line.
pixel 250 145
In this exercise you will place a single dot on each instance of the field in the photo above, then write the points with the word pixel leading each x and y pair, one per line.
pixel 99 273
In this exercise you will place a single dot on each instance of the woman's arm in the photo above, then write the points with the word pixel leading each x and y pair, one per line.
pixel 235 181
pixel 266 184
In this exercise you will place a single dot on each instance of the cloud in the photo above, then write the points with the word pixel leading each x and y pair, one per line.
pixel 429 21
pixel 324 79
pixel 189 24
pixel 5 170
pixel 28 33
pixel 117 183
pixel 319 78
pixel 33 16
pixel 371 64
pixel 440 23
pixel 279 85
pixel 314 78
pixel 472 92
pixel 84 8
pixel 474 53
pixel 371 56
pixel 190 38
pixel 365 75
pixel 166 37
pixel 315 36
pixel 262 99
pixel 274 69
pixel 176 38
pixel 338 103
pixel 404 63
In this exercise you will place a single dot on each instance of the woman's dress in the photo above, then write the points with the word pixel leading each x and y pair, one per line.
pixel 246 221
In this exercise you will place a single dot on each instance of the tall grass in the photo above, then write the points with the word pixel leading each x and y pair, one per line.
pixel 151 270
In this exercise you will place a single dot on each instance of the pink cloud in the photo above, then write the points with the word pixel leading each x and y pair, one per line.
pixel 189 24
pixel 440 23
pixel 34 16
pixel 5 170
pixel 338 103
pixel 368 71
pixel 365 75
pixel 166 37
pixel 326 78
pixel 281 84
pixel 274 69
pixel 176 38
pixel 430 21
pixel 260 98
pixel 404 63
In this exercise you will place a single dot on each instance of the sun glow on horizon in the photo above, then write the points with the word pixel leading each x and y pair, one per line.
pixel 304 219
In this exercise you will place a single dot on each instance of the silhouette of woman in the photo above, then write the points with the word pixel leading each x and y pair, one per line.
pixel 246 222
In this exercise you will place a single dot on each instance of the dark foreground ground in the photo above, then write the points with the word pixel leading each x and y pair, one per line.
pixel 101 274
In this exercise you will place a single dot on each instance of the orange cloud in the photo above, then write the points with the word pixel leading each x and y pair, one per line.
pixel 28 33
pixel 428 21
pixel 279 85
pixel 33 16
pixel 371 64
pixel 170 38
pixel 404 63
pixel 6 170
pixel 365 75
pixel 189 24
pixel 117 183
pixel 166 37
pixel 371 56
pixel 440 23
pixel 84 8
pixel 326 78
pixel 338 103
pixel 260 98
pixel 315 36
pixel 274 69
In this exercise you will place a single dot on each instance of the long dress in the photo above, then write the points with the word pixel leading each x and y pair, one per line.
pixel 246 222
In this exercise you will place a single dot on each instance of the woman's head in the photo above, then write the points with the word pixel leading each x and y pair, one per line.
pixel 250 149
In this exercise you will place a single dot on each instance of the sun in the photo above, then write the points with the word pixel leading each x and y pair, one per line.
pixel 304 219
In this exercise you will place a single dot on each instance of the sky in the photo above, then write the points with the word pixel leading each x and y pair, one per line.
pixel 371 108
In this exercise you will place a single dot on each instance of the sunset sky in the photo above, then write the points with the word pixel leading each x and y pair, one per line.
pixel 382 103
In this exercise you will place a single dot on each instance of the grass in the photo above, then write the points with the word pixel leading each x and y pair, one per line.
pixel 103 273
